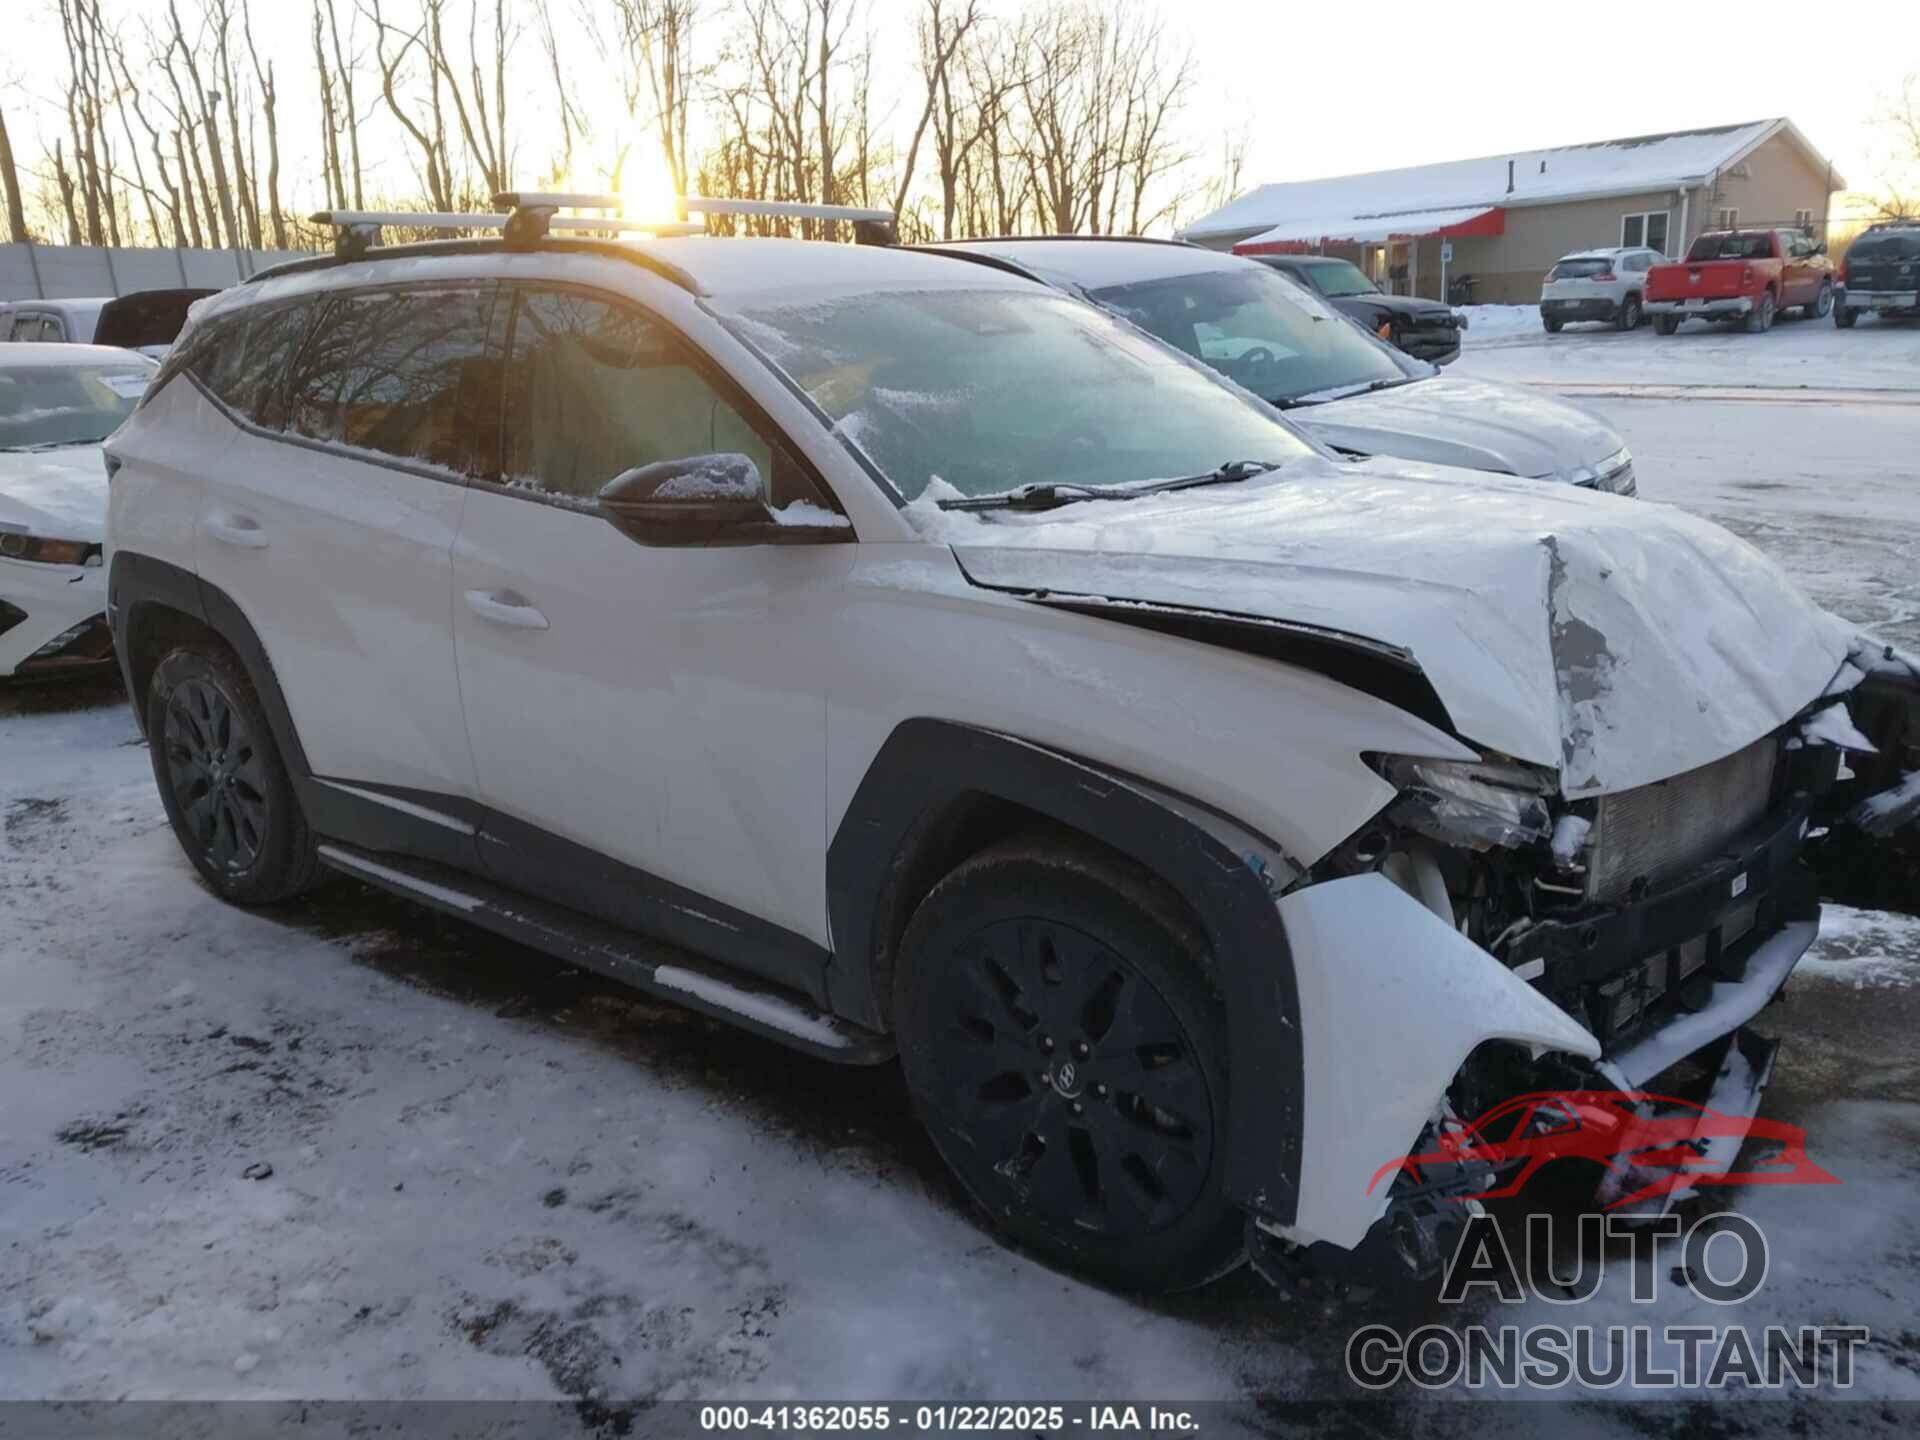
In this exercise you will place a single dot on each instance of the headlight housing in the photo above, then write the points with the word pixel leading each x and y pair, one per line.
pixel 18 545
pixel 1479 804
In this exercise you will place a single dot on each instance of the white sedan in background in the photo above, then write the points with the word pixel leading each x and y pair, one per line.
pixel 57 403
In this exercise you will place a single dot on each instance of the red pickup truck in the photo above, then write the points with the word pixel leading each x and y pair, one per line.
pixel 1747 275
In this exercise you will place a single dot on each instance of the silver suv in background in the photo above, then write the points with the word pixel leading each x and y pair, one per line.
pixel 1605 285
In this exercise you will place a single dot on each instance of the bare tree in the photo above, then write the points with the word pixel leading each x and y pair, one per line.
pixel 941 33
pixel 269 96
pixel 428 131
pixel 10 180
pixel 1899 118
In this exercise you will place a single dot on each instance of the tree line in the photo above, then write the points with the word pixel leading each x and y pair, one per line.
pixel 179 126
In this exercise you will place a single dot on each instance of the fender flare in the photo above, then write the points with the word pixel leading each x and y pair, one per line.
pixel 1223 871
pixel 137 581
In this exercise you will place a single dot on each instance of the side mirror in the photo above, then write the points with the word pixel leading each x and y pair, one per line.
pixel 694 500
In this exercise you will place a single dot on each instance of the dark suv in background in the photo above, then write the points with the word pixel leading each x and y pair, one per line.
pixel 1425 329
pixel 1881 273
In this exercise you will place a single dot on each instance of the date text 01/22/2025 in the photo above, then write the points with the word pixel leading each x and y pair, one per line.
pixel 944 1419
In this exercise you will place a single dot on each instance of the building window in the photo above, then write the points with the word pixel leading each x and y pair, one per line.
pixel 1727 218
pixel 1649 228
pixel 1803 219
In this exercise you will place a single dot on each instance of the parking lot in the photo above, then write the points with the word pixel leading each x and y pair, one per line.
pixel 556 1188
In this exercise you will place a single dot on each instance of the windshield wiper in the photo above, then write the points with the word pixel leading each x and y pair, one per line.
pixel 1345 392
pixel 51 445
pixel 1048 495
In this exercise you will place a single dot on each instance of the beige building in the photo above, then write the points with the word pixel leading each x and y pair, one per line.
pixel 1504 219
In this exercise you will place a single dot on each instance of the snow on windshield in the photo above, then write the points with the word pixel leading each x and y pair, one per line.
pixel 66 404
pixel 997 388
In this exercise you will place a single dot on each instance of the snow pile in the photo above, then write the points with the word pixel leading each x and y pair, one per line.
pixel 1864 949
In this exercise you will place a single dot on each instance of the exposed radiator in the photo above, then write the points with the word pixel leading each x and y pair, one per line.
pixel 1662 830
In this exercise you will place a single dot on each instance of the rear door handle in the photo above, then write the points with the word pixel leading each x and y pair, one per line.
pixel 503 607
pixel 241 530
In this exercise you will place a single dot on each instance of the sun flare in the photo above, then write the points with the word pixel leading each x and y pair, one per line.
pixel 646 186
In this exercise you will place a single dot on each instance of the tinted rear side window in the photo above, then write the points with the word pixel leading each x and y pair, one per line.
pixel 244 361
pixel 396 371
pixel 1580 269
pixel 1887 247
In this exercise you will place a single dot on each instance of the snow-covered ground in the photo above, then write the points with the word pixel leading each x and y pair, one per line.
pixel 352 1149
pixel 1506 342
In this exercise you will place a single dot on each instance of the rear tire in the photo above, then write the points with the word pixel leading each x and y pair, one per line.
pixel 1843 318
pixel 226 790
pixel 1067 1052
pixel 1760 317
pixel 1553 326
pixel 1627 317
pixel 1666 324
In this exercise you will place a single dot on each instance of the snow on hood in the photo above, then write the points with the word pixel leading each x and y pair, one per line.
pixel 1619 641
pixel 58 493
pixel 1475 424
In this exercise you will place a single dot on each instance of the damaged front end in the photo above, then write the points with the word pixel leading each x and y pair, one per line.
pixel 1660 920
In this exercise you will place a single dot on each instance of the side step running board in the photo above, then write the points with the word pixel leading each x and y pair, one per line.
pixel 663 970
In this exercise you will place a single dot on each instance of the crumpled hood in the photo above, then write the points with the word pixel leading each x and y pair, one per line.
pixel 1617 640
pixel 1475 424
pixel 61 493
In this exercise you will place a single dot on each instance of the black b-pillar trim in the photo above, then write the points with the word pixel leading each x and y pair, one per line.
pixel 928 767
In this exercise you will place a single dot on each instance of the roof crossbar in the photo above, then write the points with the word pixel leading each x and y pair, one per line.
pixel 525 216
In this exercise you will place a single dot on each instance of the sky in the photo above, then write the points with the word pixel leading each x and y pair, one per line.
pixel 1317 89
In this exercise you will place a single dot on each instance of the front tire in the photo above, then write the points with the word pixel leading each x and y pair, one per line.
pixel 226 790
pixel 1067 1053
pixel 1822 304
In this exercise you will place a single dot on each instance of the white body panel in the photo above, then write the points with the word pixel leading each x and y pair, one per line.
pixel 1392 1001
pixel 344 567
pixel 1277 748
pixel 670 714
pixel 55 597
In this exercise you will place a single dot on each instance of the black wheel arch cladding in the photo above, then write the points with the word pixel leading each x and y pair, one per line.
pixel 929 768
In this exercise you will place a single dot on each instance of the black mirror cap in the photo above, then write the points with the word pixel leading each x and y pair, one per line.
pixel 693 500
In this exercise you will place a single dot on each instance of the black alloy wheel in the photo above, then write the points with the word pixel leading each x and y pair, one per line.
pixel 1067 1058
pixel 214 769
pixel 223 783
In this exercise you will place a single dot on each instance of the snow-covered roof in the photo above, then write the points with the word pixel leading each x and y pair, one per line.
pixel 1405 201
pixel 1363 229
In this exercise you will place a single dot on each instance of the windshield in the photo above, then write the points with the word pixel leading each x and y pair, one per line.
pixel 989 389
pixel 1339 277
pixel 1733 246
pixel 1257 329
pixel 49 405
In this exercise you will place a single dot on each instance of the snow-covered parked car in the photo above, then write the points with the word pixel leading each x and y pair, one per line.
pixel 888 653
pixel 57 403
pixel 1353 393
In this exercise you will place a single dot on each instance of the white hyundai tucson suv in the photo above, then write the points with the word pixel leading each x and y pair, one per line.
pixel 895 656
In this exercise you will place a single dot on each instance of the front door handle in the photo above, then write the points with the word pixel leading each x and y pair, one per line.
pixel 503 607
pixel 241 530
